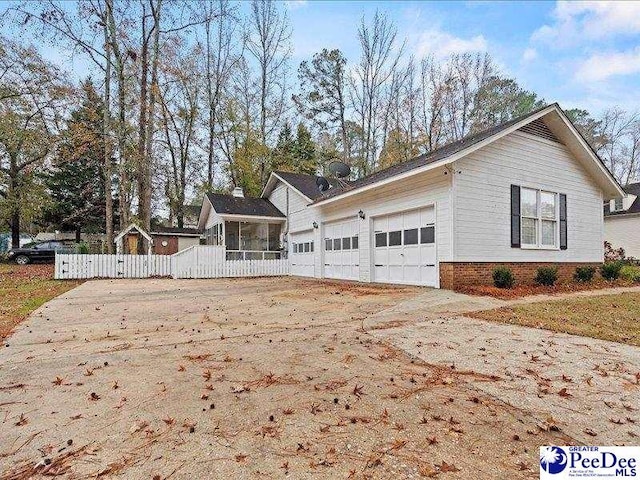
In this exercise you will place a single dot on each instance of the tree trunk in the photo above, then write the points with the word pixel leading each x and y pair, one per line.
pixel 78 233
pixel 15 229
pixel 144 181
pixel 108 200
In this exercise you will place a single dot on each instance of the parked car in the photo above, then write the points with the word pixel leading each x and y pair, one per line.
pixel 38 252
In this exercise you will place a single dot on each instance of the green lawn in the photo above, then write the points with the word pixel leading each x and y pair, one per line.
pixel 609 317
pixel 23 289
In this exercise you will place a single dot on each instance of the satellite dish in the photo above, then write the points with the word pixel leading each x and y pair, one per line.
pixel 323 184
pixel 339 169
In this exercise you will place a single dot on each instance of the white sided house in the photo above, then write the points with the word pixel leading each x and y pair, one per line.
pixel 622 221
pixel 524 194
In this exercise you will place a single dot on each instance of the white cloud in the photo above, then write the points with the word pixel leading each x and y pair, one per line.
pixel 601 66
pixel 576 21
pixel 529 55
pixel 442 44
pixel 293 4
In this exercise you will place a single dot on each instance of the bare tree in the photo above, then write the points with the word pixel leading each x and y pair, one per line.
pixel 221 24
pixel 268 43
pixel 379 60
pixel 180 97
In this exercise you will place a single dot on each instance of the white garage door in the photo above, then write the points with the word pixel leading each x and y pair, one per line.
pixel 404 248
pixel 301 255
pixel 341 253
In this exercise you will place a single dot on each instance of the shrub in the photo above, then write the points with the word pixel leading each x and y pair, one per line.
pixel 546 276
pixel 584 274
pixel 611 270
pixel 503 278
pixel 82 247
pixel 630 272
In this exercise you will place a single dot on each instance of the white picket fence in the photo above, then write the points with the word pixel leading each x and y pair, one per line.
pixel 194 262
pixel 112 266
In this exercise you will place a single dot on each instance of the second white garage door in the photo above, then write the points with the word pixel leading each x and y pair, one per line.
pixel 405 248
pixel 301 254
pixel 341 250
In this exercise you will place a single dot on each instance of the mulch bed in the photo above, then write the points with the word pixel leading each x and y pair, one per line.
pixel 520 291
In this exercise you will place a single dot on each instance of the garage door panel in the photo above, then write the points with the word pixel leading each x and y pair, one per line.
pixel 302 263
pixel 342 259
pixel 405 257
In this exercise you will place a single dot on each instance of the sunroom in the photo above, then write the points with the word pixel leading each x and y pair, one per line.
pixel 249 228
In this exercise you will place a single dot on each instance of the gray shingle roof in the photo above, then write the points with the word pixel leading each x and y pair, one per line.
pixel 633 189
pixel 230 205
pixel 305 184
pixel 426 159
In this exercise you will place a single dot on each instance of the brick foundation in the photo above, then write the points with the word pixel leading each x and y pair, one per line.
pixel 456 275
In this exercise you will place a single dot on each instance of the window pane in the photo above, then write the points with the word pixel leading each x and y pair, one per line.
pixel 381 239
pixel 395 238
pixel 617 204
pixel 336 244
pixel 548 205
pixel 295 248
pixel 548 233
pixel 306 247
pixel 231 235
pixel 346 243
pixel 529 231
pixel 311 244
pixel 274 236
pixel 254 236
pixel 354 242
pixel 411 236
pixel 528 202
pixel 328 244
pixel 427 234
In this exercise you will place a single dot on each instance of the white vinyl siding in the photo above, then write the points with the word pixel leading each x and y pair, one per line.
pixel 624 231
pixel 482 200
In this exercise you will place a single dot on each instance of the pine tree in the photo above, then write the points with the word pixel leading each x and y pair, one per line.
pixel 75 181
pixel 304 152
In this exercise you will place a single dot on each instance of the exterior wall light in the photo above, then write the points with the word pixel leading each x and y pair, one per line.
pixel 361 214
pixel 315 224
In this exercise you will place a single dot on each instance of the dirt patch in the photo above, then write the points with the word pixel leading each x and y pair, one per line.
pixel 24 288
pixel 520 291
pixel 163 378
pixel 607 317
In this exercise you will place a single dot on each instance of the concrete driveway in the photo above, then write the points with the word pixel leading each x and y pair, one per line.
pixel 251 378
pixel 588 388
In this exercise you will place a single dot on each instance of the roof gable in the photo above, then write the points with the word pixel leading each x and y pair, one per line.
pixel 302 183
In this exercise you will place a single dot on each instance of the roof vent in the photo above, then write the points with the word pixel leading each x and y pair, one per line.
pixel 238 192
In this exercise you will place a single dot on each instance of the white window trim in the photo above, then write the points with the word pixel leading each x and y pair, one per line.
pixel 539 220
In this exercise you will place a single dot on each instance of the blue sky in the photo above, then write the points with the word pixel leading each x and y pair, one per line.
pixel 581 54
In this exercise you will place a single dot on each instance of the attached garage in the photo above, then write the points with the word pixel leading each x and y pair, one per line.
pixel 341 250
pixel 301 253
pixel 404 248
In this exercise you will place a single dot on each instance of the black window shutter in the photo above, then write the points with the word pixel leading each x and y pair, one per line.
pixel 563 221
pixel 515 216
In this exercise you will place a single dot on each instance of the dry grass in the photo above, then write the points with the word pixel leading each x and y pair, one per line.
pixel 608 317
pixel 23 289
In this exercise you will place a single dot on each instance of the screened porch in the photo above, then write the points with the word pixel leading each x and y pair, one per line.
pixel 247 240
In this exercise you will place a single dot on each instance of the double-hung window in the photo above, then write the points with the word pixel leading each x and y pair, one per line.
pixel 539 218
